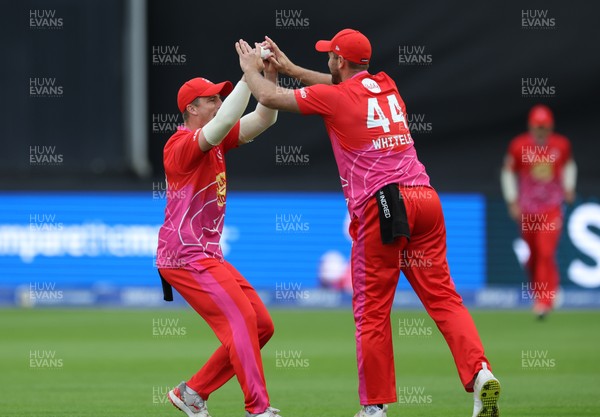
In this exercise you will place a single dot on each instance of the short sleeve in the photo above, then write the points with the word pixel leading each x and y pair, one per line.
pixel 319 99
pixel 184 153
pixel 232 139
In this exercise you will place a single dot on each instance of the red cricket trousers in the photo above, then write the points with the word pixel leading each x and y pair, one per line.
pixel 375 273
pixel 240 320
pixel 541 232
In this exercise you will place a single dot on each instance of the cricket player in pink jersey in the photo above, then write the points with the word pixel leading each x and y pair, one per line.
pixel 539 175
pixel 394 212
pixel 189 255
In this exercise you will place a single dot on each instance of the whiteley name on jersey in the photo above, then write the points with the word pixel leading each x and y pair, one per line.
pixel 390 142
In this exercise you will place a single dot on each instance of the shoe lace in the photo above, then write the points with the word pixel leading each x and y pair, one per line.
pixel 273 410
pixel 194 400
pixel 371 409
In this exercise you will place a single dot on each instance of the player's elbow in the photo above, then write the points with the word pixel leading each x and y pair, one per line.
pixel 268 99
pixel 228 121
pixel 273 118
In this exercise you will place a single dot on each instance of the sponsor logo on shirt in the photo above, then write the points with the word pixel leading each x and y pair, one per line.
pixel 371 85
pixel 303 93
pixel 221 188
pixel 543 172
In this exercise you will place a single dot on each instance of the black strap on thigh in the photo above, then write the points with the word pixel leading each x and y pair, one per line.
pixel 393 221
pixel 167 289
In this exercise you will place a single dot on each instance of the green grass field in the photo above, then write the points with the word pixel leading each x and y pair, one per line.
pixel 112 363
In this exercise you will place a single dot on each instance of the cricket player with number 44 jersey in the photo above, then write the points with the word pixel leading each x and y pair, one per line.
pixel 395 213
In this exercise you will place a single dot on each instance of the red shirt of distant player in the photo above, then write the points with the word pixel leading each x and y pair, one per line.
pixel 365 119
pixel 196 192
pixel 540 168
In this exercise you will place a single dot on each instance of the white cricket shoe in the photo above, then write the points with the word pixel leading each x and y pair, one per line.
pixel 269 412
pixel 486 392
pixel 372 411
pixel 190 403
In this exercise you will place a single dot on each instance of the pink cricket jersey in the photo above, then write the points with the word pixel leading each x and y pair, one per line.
pixel 196 191
pixel 365 118
pixel 539 168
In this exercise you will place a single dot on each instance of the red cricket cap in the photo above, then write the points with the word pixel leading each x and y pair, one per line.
pixel 348 43
pixel 541 116
pixel 200 87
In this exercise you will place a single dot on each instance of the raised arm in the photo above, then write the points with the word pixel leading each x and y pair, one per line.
pixel 265 91
pixel 285 66
pixel 234 105
pixel 253 124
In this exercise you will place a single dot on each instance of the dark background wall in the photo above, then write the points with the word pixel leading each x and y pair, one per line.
pixel 469 95
pixel 77 47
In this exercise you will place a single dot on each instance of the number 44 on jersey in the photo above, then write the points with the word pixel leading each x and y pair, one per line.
pixel 377 118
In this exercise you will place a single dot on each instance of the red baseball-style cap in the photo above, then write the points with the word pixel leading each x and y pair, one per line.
pixel 541 116
pixel 348 43
pixel 200 87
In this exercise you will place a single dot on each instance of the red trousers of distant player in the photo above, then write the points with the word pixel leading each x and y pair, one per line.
pixel 375 273
pixel 240 320
pixel 542 231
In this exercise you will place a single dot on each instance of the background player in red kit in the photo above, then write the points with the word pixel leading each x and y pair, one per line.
pixel 539 174
pixel 189 255
pixel 395 213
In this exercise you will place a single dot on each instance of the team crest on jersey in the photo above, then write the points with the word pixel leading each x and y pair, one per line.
pixel 221 188
pixel 371 85
pixel 543 172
